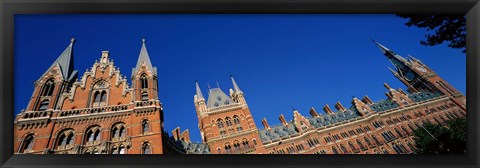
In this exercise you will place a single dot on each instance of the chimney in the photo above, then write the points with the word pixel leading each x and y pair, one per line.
pixel 367 100
pixel 387 86
pixel 339 106
pixel 265 123
pixel 176 133
pixel 282 119
pixel 327 109
pixel 313 112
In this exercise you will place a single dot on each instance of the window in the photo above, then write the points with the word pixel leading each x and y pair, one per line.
pixel 228 121
pixel 146 148
pixel 236 120
pixel 145 126
pixel 344 150
pixel 118 132
pixel 144 81
pixel 93 134
pixel 43 105
pixel 48 88
pixel 121 150
pixel 334 150
pixel 114 150
pixel 27 144
pixel 144 96
pixel 220 123
pixel 254 142
pixel 65 139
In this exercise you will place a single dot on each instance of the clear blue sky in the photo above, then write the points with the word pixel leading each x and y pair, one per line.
pixel 279 61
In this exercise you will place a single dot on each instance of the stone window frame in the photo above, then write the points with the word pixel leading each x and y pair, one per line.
pixel 145 126
pixel 122 133
pixel 95 135
pixel 100 88
pixel 146 145
pixel 65 139
pixel 27 147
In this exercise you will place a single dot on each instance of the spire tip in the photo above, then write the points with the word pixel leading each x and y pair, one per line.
pixel 72 40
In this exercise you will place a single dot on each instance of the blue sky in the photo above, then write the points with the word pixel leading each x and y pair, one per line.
pixel 279 61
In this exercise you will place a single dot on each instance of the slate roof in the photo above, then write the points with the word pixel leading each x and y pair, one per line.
pixel 216 98
pixel 280 131
pixel 143 57
pixel 65 63
pixel 190 147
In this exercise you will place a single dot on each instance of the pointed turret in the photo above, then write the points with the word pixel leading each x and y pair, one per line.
pixel 398 61
pixel 143 58
pixel 235 86
pixel 65 63
pixel 199 91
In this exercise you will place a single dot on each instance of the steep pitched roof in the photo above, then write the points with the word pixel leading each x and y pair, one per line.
pixel 216 98
pixel 144 58
pixel 65 63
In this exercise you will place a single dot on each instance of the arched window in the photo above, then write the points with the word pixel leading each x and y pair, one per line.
pixel 236 120
pixel 220 123
pixel 334 150
pixel 145 127
pixel 65 139
pixel 352 147
pixel 228 121
pixel 367 141
pixel 254 142
pixel 121 149
pixel 344 150
pixel 219 150
pixel 95 151
pixel 146 148
pixel 103 97
pixel 118 132
pixel 43 105
pixel 114 150
pixel 144 81
pixel 27 144
pixel 48 88
pixel 96 97
pixel 375 139
pixel 361 145
pixel 93 134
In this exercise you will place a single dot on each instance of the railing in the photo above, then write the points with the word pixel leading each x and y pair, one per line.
pixel 92 110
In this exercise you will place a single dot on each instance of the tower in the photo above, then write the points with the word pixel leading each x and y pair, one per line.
pixel 54 82
pixel 144 77
pixel 418 77
pixel 225 122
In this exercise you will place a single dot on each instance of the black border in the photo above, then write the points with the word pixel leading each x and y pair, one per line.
pixel 9 8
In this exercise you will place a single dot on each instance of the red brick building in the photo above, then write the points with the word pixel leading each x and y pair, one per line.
pixel 100 114
pixel 366 127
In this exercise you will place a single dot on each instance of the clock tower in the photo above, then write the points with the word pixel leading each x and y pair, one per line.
pixel 225 122
pixel 418 77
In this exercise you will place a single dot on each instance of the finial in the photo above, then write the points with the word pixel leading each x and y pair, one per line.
pixel 72 40
pixel 371 39
pixel 208 86
pixel 218 86
pixel 143 40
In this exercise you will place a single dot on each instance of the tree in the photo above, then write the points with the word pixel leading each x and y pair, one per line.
pixel 447 28
pixel 448 139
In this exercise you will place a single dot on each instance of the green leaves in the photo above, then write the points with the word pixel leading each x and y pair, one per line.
pixel 437 139
pixel 446 28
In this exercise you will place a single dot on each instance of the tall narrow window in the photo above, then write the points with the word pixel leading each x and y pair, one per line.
pixel 65 138
pixel 103 98
pixel 96 97
pixel 146 149
pixel 121 150
pixel 145 128
pixel 144 81
pixel 48 88
pixel 27 144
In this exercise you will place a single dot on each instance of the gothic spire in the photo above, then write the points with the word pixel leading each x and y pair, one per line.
pixel 397 60
pixel 235 86
pixel 199 91
pixel 144 58
pixel 65 63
